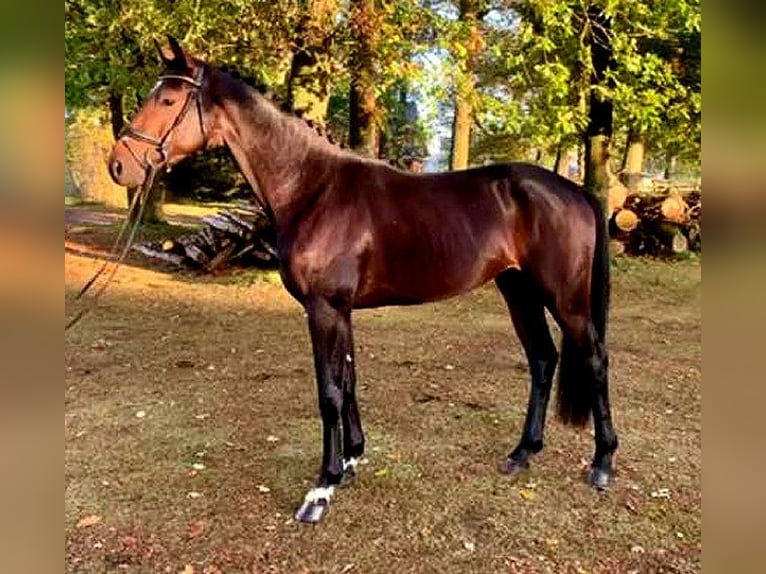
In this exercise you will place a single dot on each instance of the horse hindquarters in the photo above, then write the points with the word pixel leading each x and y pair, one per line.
pixel 581 309
pixel 565 262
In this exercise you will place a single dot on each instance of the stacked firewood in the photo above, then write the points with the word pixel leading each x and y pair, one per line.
pixel 241 236
pixel 667 222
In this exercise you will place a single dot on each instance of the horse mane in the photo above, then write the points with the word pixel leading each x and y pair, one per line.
pixel 282 105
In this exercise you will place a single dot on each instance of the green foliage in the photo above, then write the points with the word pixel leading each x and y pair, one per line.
pixel 109 44
pixel 523 65
pixel 534 77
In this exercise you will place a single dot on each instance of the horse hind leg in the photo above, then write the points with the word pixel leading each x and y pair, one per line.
pixel 583 389
pixel 524 299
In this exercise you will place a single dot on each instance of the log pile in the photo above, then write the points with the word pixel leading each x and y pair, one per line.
pixel 241 236
pixel 668 223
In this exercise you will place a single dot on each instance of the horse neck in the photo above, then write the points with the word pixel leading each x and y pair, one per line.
pixel 284 161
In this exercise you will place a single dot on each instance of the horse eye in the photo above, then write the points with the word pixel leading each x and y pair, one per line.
pixel 167 102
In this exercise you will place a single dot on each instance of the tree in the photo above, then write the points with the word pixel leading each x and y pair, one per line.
pixel 467 44
pixel 365 25
pixel 599 132
pixel 312 65
pixel 111 60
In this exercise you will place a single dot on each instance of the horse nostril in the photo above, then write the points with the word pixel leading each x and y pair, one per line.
pixel 116 168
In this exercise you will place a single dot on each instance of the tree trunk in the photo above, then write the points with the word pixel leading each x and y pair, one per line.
pixel 308 84
pixel 471 11
pixel 670 164
pixel 599 132
pixel 559 161
pixel 153 211
pixel 363 125
pixel 461 133
pixel 564 156
pixel 633 161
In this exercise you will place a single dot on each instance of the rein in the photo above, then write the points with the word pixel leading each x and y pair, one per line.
pixel 140 198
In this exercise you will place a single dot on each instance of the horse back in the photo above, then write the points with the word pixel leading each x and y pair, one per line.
pixel 386 237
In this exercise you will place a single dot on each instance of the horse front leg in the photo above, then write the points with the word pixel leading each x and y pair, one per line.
pixel 353 436
pixel 331 340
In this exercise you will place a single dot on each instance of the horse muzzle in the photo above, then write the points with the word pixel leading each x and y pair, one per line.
pixel 124 166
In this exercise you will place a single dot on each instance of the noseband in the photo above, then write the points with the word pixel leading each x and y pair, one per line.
pixel 161 144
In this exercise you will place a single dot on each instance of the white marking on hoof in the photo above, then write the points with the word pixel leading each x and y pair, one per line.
pixel 320 493
pixel 350 464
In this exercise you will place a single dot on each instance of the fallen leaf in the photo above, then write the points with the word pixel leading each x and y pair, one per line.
pixel 90 520
pixel 196 528
pixel 272 438
pixel 263 488
pixel 100 344
pixel 193 494
pixel 140 414
pixel 198 466
pixel 468 545
pixel 527 493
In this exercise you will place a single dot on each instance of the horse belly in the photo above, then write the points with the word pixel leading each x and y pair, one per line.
pixel 411 276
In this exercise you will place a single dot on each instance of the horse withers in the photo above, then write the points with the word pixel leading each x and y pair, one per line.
pixel 357 233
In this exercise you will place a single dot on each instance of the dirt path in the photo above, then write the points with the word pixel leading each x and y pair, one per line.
pixel 192 434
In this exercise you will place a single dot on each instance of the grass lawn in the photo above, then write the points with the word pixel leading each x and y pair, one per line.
pixel 192 433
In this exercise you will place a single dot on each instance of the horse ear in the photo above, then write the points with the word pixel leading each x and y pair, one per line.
pixel 173 57
pixel 165 53
pixel 178 53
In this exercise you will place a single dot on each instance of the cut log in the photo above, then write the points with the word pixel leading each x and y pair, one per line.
pixel 223 224
pixel 665 223
pixel 240 236
pixel 221 257
pixel 674 208
pixel 679 243
pixel 154 253
pixel 616 247
pixel 626 220
pixel 618 193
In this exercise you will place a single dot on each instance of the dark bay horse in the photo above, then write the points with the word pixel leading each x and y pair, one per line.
pixel 355 233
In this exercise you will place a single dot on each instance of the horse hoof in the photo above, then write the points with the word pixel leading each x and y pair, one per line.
pixel 599 479
pixel 312 512
pixel 347 477
pixel 512 467
pixel 349 472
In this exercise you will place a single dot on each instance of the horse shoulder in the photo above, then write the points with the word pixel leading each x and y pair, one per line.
pixel 326 253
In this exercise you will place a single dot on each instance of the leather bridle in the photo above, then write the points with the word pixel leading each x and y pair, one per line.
pixel 161 144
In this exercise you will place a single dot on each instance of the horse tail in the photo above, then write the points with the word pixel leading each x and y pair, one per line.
pixel 576 385
pixel 600 283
